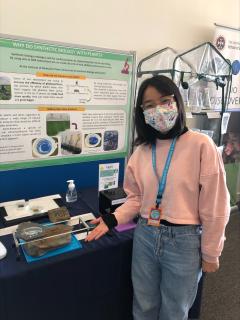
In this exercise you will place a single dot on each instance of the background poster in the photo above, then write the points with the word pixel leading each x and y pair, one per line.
pixel 227 41
pixel 231 156
pixel 63 103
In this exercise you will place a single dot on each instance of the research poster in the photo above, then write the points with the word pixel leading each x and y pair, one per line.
pixel 63 103
pixel 227 41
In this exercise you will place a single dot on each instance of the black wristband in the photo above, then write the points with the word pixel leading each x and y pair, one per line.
pixel 110 220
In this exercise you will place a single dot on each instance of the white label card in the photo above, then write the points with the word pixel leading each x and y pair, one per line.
pixel 213 115
pixel 108 176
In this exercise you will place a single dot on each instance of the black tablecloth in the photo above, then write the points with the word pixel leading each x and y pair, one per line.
pixel 92 283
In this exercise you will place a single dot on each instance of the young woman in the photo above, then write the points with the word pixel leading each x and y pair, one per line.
pixel 175 181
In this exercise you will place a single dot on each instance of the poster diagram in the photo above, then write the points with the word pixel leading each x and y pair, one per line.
pixel 82 91
pixel 62 103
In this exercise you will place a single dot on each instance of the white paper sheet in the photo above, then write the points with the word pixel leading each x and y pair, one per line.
pixel 21 208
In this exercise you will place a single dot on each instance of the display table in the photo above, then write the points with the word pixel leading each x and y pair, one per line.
pixel 91 283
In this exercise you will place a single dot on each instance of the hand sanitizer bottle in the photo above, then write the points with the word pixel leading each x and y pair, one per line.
pixel 71 195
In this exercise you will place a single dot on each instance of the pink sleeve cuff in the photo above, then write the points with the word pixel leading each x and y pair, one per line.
pixel 209 259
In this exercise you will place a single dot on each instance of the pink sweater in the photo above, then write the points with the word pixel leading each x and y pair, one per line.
pixel 195 192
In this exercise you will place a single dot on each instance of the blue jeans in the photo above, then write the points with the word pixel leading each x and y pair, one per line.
pixel 166 269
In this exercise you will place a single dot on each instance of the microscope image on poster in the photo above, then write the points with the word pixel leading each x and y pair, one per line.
pixel 110 140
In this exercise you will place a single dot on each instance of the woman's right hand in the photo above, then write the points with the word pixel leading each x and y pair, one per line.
pixel 210 266
pixel 98 231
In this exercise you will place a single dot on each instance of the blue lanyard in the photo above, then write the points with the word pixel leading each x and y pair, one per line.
pixel 162 182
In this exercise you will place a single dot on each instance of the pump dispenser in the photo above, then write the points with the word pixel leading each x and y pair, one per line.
pixel 71 195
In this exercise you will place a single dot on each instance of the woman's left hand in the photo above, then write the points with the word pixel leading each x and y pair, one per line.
pixel 98 231
pixel 210 266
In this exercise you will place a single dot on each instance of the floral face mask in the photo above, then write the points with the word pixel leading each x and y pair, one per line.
pixel 162 117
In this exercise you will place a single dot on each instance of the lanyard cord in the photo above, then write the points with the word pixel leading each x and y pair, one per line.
pixel 162 182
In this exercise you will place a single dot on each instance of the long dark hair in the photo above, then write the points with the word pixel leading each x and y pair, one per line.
pixel 145 133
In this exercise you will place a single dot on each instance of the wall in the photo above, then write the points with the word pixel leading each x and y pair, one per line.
pixel 143 26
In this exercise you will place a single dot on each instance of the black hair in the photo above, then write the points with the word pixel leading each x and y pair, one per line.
pixel 145 133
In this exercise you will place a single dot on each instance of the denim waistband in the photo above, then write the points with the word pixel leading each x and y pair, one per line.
pixel 169 225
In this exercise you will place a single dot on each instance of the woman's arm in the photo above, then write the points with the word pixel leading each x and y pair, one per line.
pixel 214 207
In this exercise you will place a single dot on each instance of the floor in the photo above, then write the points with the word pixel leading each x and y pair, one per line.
pixel 221 290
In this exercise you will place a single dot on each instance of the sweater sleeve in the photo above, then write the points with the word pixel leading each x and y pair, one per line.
pixel 128 210
pixel 214 203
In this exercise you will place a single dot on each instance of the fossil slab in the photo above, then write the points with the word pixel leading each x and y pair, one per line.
pixel 58 214
pixel 40 242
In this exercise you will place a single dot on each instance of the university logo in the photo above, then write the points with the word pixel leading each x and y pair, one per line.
pixel 220 42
